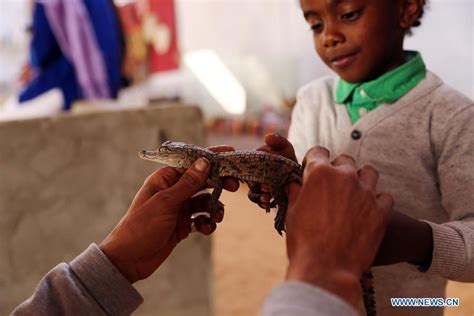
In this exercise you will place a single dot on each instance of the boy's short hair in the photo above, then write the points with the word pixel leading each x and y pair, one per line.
pixel 418 20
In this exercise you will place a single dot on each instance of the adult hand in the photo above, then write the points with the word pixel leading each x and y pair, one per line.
pixel 335 223
pixel 276 144
pixel 158 218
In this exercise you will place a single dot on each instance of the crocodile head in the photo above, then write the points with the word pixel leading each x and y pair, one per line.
pixel 174 154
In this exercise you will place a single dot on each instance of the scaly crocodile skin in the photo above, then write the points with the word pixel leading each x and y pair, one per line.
pixel 247 165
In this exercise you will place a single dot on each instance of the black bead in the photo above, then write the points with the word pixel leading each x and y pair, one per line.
pixel 356 134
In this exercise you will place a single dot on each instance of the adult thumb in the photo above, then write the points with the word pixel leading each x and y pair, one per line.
pixel 293 191
pixel 192 181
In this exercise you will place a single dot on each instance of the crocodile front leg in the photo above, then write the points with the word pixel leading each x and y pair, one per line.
pixel 217 189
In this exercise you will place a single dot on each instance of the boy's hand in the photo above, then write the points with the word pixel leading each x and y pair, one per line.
pixel 276 144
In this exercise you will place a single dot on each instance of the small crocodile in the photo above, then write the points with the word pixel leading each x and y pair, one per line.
pixel 248 166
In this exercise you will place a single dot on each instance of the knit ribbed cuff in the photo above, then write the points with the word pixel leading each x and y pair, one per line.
pixel 449 251
pixel 300 298
pixel 105 283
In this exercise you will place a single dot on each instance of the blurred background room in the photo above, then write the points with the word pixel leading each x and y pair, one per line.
pixel 202 71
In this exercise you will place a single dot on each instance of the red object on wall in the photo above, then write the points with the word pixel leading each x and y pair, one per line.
pixel 164 53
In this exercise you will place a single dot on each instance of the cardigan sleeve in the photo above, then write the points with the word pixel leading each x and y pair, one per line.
pixel 453 242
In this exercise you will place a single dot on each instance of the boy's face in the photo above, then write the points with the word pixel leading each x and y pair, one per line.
pixel 358 39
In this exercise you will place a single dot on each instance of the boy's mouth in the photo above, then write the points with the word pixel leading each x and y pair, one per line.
pixel 343 60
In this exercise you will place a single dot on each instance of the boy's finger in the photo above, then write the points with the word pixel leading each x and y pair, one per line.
pixel 254 197
pixel 276 141
pixel 221 148
pixel 281 145
pixel 230 184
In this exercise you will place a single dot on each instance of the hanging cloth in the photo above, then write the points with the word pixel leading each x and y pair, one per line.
pixel 71 25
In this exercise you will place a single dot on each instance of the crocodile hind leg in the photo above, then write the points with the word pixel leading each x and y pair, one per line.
pixel 281 200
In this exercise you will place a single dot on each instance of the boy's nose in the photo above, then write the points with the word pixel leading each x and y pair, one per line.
pixel 332 38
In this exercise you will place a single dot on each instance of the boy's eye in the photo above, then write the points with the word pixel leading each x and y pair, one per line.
pixel 350 16
pixel 317 27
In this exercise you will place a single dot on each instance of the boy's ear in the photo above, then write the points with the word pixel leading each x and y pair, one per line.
pixel 410 11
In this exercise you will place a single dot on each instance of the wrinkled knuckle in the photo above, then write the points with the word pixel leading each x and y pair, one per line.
pixel 312 166
pixel 370 169
pixel 166 198
pixel 190 180
pixel 344 157
pixel 315 170
pixel 349 175
pixel 162 172
pixel 368 195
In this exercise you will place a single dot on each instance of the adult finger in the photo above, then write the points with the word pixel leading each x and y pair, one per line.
pixel 369 176
pixel 228 183
pixel 343 160
pixel 159 180
pixel 385 201
pixel 191 182
pixel 204 225
pixel 202 204
pixel 293 191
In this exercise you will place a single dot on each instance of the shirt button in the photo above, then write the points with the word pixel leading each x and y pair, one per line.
pixel 362 111
pixel 356 134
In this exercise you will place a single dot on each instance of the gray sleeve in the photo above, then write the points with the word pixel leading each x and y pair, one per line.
pixel 453 242
pixel 302 299
pixel 88 285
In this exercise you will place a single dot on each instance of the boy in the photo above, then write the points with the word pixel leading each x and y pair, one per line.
pixel 388 111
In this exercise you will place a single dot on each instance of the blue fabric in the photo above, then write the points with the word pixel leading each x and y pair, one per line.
pixel 55 70
pixel 107 29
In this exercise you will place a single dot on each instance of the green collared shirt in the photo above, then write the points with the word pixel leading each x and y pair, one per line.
pixel 361 98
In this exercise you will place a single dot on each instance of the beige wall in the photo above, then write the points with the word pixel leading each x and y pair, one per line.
pixel 66 181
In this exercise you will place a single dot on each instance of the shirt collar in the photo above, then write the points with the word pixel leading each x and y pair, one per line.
pixel 387 88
